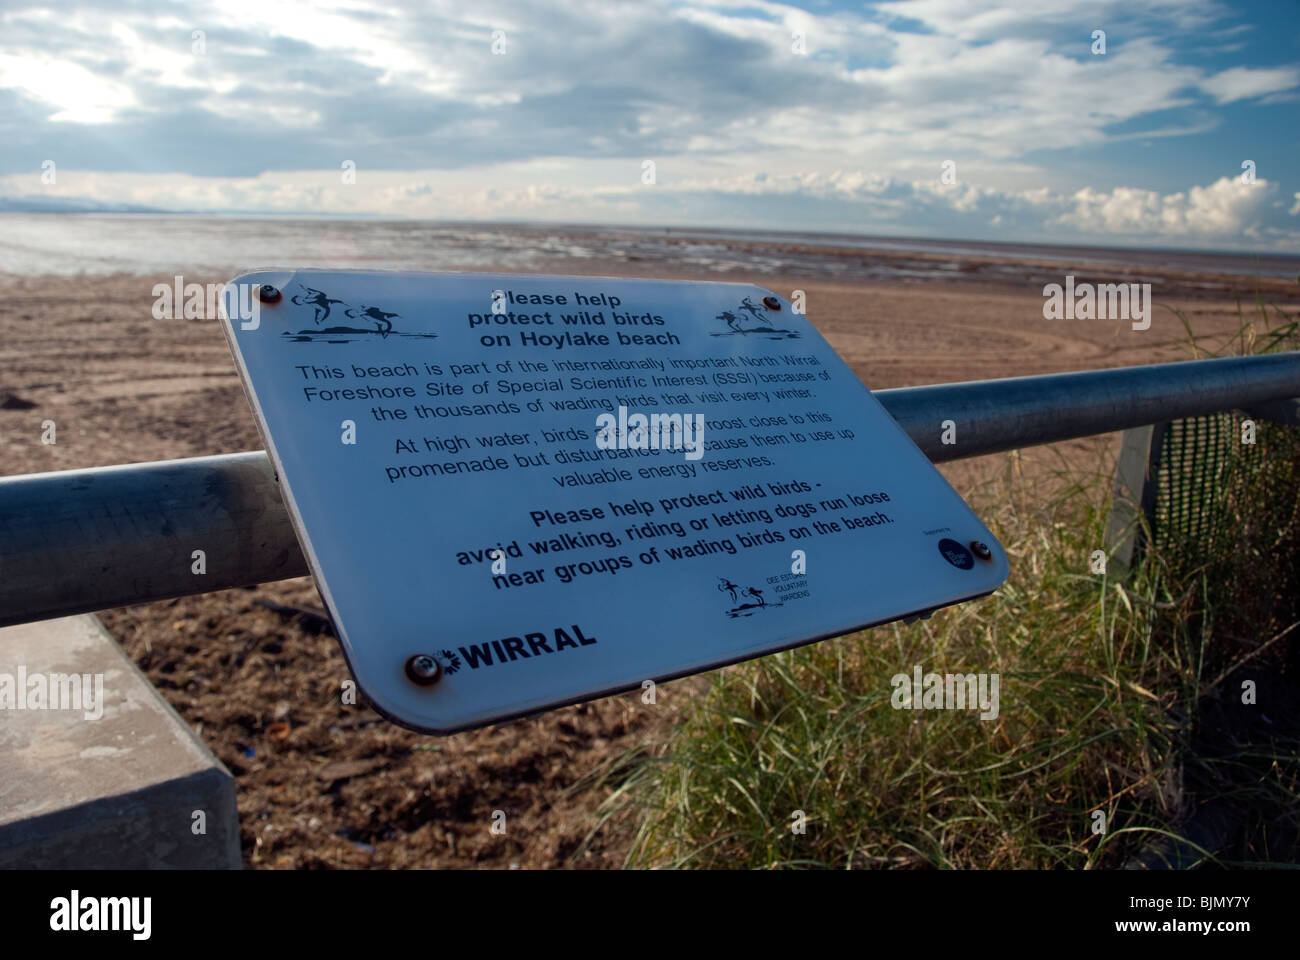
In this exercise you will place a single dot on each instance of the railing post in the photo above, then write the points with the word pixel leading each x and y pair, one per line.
pixel 1132 512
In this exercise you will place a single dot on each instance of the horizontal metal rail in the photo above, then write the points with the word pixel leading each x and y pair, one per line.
pixel 83 540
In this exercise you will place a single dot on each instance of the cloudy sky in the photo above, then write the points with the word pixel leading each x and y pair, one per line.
pixel 822 116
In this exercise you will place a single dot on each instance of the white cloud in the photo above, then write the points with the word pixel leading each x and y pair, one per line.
pixel 984 19
pixel 1241 83
pixel 74 93
pixel 675 78
pixel 1224 213
pixel 1226 209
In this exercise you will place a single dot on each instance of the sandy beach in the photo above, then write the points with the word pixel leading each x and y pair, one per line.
pixel 342 787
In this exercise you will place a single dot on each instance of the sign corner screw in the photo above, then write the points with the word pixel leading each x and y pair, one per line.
pixel 423 669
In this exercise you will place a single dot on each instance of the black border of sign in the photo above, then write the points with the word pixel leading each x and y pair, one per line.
pixel 299 528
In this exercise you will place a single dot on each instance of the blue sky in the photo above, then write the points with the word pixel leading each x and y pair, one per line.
pixel 821 116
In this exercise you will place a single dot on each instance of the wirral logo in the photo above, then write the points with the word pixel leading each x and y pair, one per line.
pixel 449 661
pixel 371 321
pixel 526 646
pixel 751 320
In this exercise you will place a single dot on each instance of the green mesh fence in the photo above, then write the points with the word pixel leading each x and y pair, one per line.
pixel 1196 463
pixel 1210 483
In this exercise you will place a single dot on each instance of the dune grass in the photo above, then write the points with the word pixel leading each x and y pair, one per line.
pixel 1123 696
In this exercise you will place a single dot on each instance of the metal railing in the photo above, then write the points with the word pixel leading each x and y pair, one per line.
pixel 82 540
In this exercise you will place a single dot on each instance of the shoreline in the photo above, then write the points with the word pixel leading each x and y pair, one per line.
pixel 979 274
pixel 208 252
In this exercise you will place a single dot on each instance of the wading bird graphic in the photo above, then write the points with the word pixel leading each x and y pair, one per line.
pixel 733 321
pixel 754 310
pixel 747 601
pixel 381 320
pixel 759 323
pixel 319 302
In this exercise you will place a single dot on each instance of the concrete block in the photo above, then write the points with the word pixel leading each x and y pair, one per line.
pixel 113 780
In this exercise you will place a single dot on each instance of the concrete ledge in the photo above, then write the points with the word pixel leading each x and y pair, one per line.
pixel 103 781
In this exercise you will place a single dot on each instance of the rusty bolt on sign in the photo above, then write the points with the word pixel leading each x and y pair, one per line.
pixel 981 550
pixel 423 669
pixel 268 293
pixel 772 303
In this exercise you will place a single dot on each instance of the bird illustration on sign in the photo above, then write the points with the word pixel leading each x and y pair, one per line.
pixel 759 324
pixel 378 322
pixel 744 607
pixel 383 321
pixel 317 300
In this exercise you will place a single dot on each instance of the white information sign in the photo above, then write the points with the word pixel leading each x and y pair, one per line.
pixel 518 492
